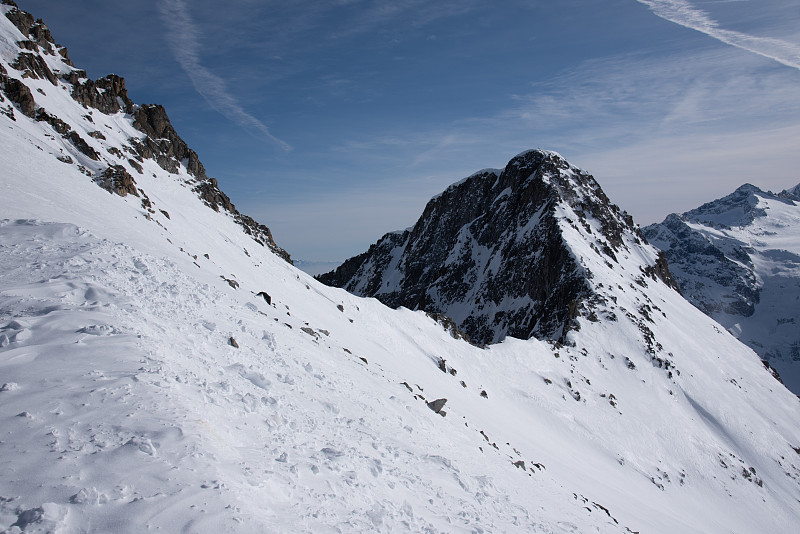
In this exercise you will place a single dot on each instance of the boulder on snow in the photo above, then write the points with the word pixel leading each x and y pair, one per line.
pixel 437 405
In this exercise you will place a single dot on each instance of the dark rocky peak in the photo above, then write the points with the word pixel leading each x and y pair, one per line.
pixel 491 253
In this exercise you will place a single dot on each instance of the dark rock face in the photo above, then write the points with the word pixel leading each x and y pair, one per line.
pixel 489 252
pixel 22 20
pixel 40 34
pixel 210 193
pixel 81 144
pixel 163 143
pixel 34 66
pixel 107 94
pixel 36 30
pixel 661 271
pixel 58 125
pixel 115 179
pixel 18 92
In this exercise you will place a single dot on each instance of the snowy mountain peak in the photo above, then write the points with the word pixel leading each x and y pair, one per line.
pixel 792 193
pixel 740 208
pixel 101 131
pixel 507 253
pixel 737 259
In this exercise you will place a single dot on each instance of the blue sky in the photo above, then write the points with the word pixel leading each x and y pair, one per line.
pixel 334 122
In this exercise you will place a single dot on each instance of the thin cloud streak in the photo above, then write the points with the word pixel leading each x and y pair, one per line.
pixel 685 14
pixel 185 47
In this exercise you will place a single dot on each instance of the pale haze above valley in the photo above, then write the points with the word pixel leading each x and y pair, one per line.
pixel 335 122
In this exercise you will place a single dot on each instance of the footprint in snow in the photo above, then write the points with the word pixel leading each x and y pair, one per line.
pixel 98 330
pixel 143 444
pixel 88 496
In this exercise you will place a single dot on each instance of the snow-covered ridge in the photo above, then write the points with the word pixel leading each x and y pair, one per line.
pixel 107 137
pixel 162 371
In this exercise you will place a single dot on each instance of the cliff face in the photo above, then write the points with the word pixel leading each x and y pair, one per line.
pixel 492 251
pixel 35 66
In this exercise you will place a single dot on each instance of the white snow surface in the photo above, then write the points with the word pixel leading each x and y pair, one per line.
pixel 124 407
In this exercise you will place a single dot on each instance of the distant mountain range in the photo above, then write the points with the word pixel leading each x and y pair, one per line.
pixel 164 366
pixel 738 260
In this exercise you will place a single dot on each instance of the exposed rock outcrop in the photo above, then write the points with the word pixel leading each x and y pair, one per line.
pixel 18 92
pixel 34 66
pixel 107 94
pixel 163 143
pixel 58 125
pixel 81 144
pixel 115 179
pixel 208 190
pixel 36 31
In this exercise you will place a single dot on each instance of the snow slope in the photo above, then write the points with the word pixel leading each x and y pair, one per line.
pixel 125 407
pixel 738 259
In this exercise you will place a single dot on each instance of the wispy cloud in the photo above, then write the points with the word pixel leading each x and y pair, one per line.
pixel 416 13
pixel 661 133
pixel 684 13
pixel 186 48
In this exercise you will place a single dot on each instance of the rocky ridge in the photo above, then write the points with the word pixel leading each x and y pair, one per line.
pixel 39 58
pixel 492 252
